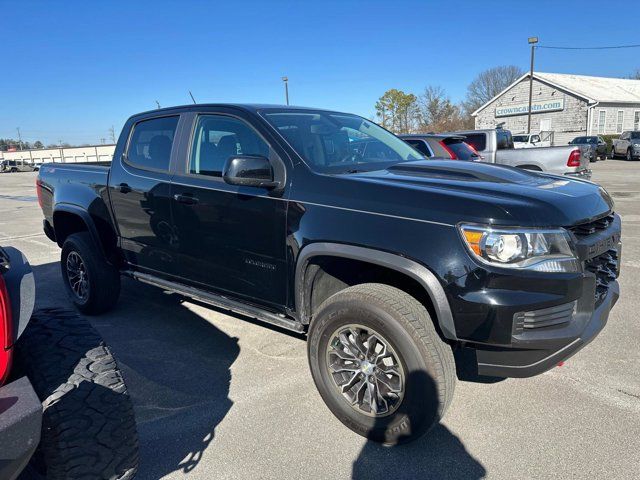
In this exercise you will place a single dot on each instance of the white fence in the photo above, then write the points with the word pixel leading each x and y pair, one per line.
pixel 94 153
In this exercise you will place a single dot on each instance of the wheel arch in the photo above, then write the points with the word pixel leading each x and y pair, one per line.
pixel 69 219
pixel 404 266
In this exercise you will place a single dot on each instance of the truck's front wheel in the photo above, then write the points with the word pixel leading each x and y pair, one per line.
pixel 93 285
pixel 379 363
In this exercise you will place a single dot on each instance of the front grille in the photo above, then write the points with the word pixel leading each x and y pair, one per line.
pixel 605 268
pixel 585 229
pixel 546 317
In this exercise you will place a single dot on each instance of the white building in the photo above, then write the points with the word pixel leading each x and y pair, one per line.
pixel 565 105
pixel 92 153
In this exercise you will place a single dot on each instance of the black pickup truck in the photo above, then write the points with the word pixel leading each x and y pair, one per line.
pixel 387 261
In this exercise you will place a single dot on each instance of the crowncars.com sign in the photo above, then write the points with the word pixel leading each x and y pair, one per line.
pixel 536 107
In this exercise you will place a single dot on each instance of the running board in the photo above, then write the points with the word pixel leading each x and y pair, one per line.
pixel 219 301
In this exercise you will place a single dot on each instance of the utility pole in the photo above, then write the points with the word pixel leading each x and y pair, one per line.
pixel 532 42
pixel 286 88
pixel 19 138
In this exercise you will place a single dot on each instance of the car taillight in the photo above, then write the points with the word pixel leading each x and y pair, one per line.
pixel 6 332
pixel 574 158
pixel 39 192
pixel 448 150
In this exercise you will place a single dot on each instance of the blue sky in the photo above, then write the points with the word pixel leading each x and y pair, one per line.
pixel 72 69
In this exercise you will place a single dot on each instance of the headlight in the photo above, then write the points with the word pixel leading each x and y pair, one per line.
pixel 522 248
pixel 637 145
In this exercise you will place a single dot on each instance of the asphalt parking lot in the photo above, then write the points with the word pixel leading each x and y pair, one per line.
pixel 220 397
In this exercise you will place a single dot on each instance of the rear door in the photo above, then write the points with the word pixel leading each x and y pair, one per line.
pixel 139 188
pixel 230 239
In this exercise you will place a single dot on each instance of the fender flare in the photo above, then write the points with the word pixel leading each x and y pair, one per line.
pixel 421 274
pixel 86 218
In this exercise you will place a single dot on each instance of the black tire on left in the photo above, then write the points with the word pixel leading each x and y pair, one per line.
pixel 88 423
pixel 103 279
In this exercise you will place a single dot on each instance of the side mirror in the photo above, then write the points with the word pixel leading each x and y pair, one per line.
pixel 249 171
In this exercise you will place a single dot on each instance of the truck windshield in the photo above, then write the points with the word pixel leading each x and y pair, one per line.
pixel 635 135
pixel 339 142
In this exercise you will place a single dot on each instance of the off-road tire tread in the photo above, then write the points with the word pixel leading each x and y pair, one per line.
pixel 104 278
pixel 88 425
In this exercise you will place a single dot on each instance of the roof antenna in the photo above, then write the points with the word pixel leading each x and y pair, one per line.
pixel 158 103
pixel 191 95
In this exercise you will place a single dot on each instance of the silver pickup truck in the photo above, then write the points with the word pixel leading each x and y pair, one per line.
pixel 496 146
pixel 628 145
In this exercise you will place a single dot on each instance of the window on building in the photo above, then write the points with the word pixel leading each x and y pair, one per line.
pixel 151 142
pixel 620 121
pixel 636 120
pixel 602 116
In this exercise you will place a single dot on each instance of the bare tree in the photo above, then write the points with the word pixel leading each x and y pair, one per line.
pixel 635 75
pixel 438 113
pixel 488 84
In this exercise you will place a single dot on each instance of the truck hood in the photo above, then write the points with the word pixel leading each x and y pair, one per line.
pixel 457 191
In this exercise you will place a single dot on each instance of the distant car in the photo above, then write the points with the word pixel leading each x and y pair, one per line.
pixel 628 145
pixel 597 145
pixel 525 140
pixel 450 147
pixel 16 166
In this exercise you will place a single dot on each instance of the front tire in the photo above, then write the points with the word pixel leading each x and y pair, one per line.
pixel 379 364
pixel 92 284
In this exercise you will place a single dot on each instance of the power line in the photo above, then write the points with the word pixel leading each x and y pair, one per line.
pixel 588 48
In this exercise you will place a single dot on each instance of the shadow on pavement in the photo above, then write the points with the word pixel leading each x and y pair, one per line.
pixel 437 454
pixel 176 366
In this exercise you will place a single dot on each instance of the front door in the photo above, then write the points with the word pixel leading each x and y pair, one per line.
pixel 139 187
pixel 230 239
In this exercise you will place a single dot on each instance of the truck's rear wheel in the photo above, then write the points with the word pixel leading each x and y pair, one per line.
pixel 93 285
pixel 379 363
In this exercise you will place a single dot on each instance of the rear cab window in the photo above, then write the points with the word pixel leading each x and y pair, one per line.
pixel 476 140
pixel 151 142
pixel 419 145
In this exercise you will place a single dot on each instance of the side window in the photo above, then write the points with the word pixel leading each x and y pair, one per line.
pixel 218 137
pixel 421 146
pixel 151 142
pixel 535 138
pixel 504 140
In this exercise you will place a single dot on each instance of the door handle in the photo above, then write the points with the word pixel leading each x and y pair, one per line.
pixel 186 199
pixel 124 188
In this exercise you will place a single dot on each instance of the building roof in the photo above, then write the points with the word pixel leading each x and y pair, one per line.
pixel 592 89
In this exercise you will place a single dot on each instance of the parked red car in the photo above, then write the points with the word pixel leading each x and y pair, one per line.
pixel 20 408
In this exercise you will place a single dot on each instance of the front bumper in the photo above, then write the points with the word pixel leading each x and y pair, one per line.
pixel 522 324
pixel 20 425
pixel 548 352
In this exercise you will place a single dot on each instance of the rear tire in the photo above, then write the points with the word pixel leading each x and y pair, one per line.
pixel 93 285
pixel 88 423
pixel 419 367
